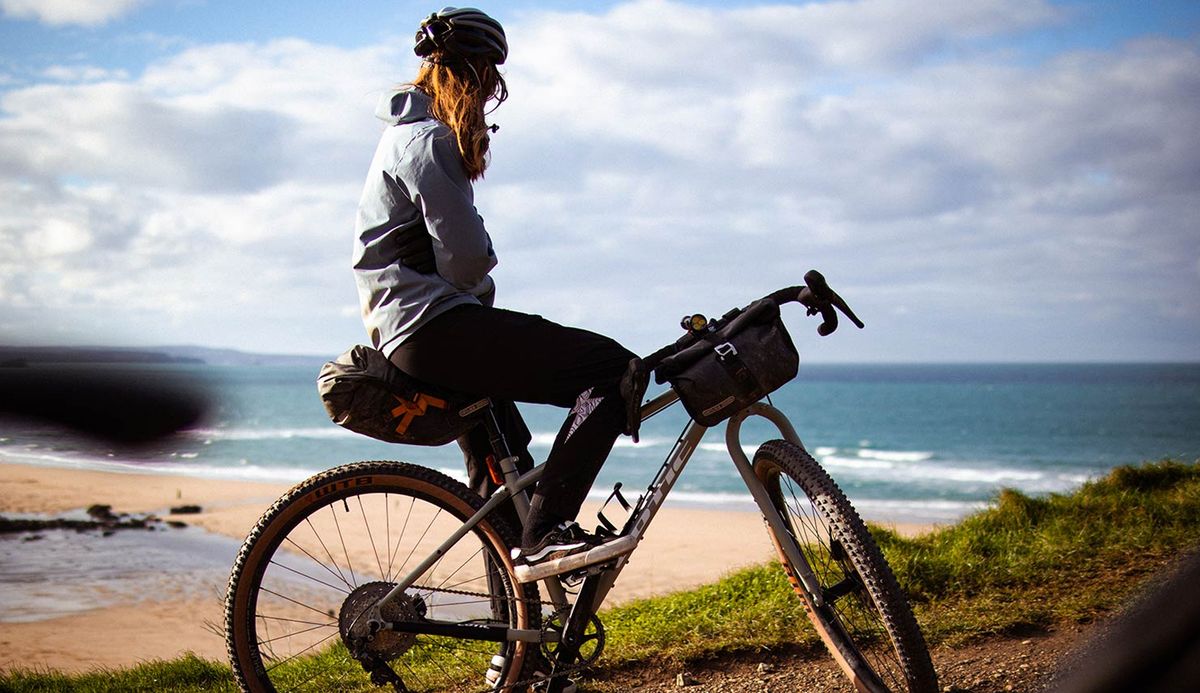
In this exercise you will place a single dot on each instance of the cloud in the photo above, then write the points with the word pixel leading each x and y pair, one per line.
pixel 656 159
pixel 62 12
pixel 972 184
pixel 82 73
pixel 210 196
pixel 121 133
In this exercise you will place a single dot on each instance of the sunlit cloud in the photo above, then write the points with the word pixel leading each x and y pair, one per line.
pixel 658 158
pixel 60 12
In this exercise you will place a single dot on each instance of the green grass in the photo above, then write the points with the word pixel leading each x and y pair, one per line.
pixel 1026 563
pixel 186 674
pixel 1021 565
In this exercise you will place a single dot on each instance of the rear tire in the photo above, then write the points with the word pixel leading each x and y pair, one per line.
pixel 865 621
pixel 333 545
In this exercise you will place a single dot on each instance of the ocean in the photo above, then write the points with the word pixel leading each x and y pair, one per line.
pixel 908 443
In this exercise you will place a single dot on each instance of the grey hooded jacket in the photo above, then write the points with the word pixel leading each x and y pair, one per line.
pixel 417 179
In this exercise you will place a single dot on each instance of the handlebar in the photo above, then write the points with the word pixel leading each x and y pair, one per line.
pixel 815 296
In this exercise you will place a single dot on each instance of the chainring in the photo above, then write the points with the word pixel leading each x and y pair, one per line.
pixel 590 647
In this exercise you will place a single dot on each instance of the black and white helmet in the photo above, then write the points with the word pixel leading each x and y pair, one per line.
pixel 465 31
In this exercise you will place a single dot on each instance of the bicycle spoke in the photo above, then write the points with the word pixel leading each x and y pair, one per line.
pixel 297 632
pixel 293 601
pixel 325 548
pixel 346 553
pixel 311 647
pixel 299 610
pixel 466 560
pixel 309 577
pixel 370 537
pixel 417 543
pixel 411 503
pixel 810 522
pixel 292 620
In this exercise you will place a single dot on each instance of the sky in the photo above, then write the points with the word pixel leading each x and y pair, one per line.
pixel 995 180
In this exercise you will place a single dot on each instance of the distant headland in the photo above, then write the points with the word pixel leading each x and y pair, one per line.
pixel 24 356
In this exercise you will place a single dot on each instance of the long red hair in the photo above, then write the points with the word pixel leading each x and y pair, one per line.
pixel 459 92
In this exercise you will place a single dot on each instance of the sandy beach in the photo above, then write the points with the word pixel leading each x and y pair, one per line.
pixel 174 612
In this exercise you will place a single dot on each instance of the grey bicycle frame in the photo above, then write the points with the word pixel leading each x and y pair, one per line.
pixel 687 443
pixel 642 515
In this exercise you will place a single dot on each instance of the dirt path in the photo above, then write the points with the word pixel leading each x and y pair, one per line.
pixel 1027 663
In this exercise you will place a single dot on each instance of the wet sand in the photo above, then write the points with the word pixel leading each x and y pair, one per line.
pixel 139 613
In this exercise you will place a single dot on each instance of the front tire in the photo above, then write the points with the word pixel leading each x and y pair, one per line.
pixel 865 621
pixel 334 544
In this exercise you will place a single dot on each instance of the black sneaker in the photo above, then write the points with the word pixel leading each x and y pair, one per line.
pixel 564 540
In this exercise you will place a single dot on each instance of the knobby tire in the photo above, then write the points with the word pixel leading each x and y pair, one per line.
pixel 865 622
pixel 296 572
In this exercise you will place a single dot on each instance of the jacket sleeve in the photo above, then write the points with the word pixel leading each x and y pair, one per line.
pixel 433 175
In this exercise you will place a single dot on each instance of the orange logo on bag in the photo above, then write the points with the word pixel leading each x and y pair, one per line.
pixel 407 411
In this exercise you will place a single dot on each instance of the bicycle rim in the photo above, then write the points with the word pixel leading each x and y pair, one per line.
pixel 332 546
pixel 865 620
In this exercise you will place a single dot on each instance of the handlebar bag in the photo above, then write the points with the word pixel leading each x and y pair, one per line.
pixel 364 392
pixel 739 363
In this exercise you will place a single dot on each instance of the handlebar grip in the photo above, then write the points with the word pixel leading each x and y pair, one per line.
pixel 816 303
pixel 815 281
pixel 829 321
pixel 827 299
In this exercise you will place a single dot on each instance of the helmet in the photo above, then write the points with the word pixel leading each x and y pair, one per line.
pixel 465 32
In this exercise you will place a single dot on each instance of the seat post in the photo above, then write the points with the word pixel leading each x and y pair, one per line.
pixel 506 462
pixel 495 435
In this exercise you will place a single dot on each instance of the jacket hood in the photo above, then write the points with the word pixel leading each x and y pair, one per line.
pixel 407 105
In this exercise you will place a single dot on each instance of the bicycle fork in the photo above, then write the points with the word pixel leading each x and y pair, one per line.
pixel 769 512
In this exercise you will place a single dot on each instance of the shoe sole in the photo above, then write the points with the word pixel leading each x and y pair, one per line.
pixel 551 549
pixel 605 552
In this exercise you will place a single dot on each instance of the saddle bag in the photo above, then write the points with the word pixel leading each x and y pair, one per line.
pixel 748 357
pixel 364 392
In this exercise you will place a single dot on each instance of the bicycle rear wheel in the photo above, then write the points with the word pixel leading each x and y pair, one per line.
pixel 333 545
pixel 865 620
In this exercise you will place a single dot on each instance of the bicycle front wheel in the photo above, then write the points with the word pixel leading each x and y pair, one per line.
pixel 864 620
pixel 328 550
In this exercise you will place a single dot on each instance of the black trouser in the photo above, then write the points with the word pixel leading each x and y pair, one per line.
pixel 513 356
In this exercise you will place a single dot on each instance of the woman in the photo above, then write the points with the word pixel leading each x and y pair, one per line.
pixel 422 262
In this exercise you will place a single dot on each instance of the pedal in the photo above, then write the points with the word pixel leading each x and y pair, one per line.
pixel 575 579
pixel 571 581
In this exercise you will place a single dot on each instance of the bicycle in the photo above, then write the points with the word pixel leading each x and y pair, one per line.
pixel 436 603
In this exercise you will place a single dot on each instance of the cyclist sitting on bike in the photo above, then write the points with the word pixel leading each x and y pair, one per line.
pixel 422 261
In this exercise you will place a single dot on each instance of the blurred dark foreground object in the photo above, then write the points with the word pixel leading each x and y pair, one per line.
pixel 122 407
pixel 1153 648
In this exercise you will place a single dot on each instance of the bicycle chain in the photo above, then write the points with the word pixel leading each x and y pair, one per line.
pixel 465 593
pixel 565 671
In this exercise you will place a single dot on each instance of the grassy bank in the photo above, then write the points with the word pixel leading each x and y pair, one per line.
pixel 1020 566
pixel 1023 564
